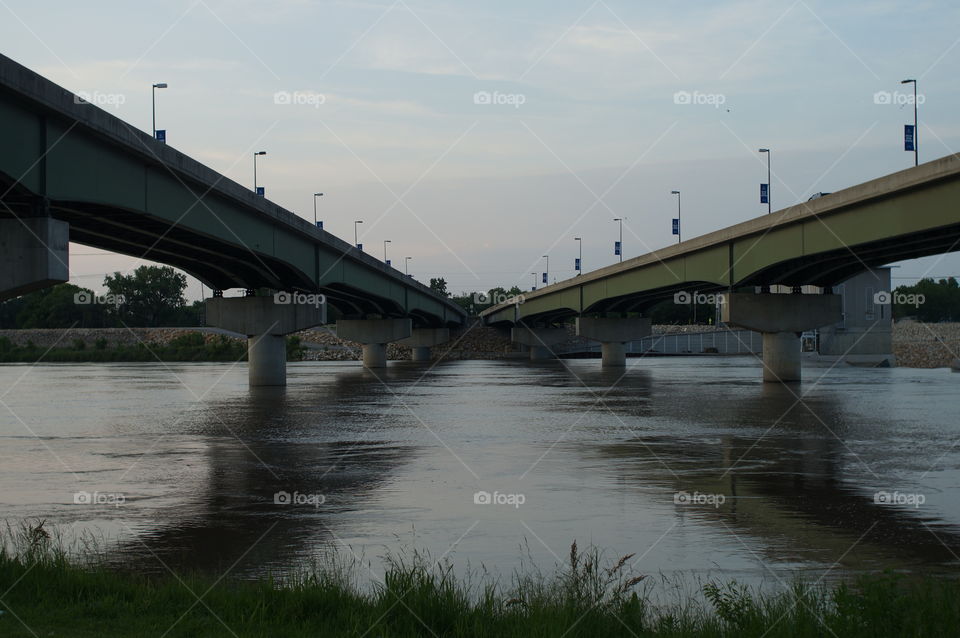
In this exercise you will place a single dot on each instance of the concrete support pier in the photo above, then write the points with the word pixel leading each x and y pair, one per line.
pixel 374 334
pixel 613 334
pixel 33 254
pixel 265 322
pixel 540 341
pixel 422 339
pixel 781 319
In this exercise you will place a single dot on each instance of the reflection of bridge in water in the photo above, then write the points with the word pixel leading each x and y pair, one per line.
pixel 798 488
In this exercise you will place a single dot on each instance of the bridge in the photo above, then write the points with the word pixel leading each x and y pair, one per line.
pixel 819 243
pixel 71 172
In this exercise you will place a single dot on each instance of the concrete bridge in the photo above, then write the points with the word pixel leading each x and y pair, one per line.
pixel 805 250
pixel 71 172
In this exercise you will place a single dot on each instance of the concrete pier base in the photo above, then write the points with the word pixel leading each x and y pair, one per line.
pixel 613 334
pixel 781 357
pixel 374 355
pixel 422 339
pixel 781 319
pixel 33 254
pixel 265 323
pixel 374 334
pixel 613 354
pixel 267 360
pixel 539 341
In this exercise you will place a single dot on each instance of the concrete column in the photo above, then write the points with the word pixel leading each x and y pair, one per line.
pixel 539 340
pixel 33 254
pixel 613 354
pixel 374 334
pixel 265 321
pixel 267 360
pixel 781 357
pixel 781 319
pixel 422 339
pixel 539 353
pixel 613 333
pixel 374 355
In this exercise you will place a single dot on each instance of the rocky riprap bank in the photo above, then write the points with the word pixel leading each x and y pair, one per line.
pixel 915 345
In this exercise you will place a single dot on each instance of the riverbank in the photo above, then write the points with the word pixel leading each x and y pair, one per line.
pixel 915 345
pixel 46 594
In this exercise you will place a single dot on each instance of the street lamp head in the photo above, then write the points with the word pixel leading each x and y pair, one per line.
pixel 674 192
pixel 260 153
pixel 318 194
pixel 387 241
pixel 160 85
pixel 617 219
pixel 359 221
pixel 907 81
pixel 764 150
pixel 577 239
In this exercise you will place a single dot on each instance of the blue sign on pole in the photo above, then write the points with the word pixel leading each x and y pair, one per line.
pixel 909 140
pixel 359 246
pixel 260 191
pixel 616 248
pixel 576 264
pixel 676 225
pixel 764 193
pixel 162 135
pixel 544 277
pixel 388 263
pixel 320 225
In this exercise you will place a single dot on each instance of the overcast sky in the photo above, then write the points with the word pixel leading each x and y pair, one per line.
pixel 479 136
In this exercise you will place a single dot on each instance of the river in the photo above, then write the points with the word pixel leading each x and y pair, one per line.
pixel 691 463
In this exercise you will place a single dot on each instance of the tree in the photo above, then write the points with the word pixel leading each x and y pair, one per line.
pixel 151 296
pixel 439 286
pixel 60 306
pixel 928 301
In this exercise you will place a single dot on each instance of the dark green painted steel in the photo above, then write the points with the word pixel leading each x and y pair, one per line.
pixel 120 190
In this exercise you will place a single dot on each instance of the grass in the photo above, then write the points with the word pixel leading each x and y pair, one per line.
pixel 41 588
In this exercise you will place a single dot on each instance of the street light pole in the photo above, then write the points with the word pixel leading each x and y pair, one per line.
pixel 579 241
pixel 534 280
pixel 315 196
pixel 406 265
pixel 385 242
pixel 153 91
pixel 546 268
pixel 255 168
pixel 916 127
pixel 769 184
pixel 620 219
pixel 356 240
pixel 679 224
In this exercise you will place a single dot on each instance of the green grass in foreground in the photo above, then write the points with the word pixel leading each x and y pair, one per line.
pixel 41 589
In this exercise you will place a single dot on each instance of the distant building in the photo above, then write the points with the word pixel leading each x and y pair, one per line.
pixel 865 335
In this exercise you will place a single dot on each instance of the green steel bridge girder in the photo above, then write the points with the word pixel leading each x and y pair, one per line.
pixel 122 191
pixel 909 214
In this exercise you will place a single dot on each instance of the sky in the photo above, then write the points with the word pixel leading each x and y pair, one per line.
pixel 478 137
